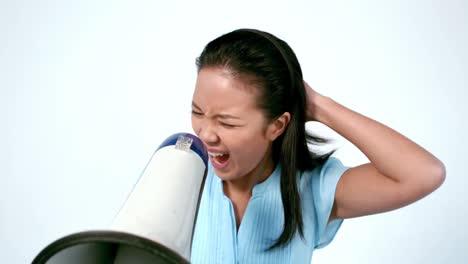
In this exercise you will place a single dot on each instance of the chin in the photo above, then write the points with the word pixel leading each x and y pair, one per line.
pixel 226 176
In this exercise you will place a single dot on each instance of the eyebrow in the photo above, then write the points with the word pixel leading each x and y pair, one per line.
pixel 223 116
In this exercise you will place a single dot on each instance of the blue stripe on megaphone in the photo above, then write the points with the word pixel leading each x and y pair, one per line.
pixel 197 145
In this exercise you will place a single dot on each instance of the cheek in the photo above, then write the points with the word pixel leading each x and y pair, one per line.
pixel 248 146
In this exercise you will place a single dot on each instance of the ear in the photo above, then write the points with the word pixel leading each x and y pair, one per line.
pixel 277 127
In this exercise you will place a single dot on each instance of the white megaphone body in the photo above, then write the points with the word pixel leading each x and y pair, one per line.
pixel 155 224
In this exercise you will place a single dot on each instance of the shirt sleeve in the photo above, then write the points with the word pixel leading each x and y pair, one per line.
pixel 323 191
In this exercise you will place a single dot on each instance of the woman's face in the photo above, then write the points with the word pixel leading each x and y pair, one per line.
pixel 225 117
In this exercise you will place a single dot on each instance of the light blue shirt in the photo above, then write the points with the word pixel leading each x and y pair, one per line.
pixel 217 241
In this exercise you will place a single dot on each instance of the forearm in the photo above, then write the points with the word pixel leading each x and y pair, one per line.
pixel 391 153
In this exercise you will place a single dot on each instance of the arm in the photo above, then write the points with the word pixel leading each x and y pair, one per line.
pixel 400 172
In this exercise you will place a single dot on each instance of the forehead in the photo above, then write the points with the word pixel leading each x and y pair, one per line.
pixel 217 90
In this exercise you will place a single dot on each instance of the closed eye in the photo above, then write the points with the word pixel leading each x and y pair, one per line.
pixel 196 113
pixel 227 125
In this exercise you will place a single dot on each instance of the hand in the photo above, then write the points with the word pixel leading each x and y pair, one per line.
pixel 311 98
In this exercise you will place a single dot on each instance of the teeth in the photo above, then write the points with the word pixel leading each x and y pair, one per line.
pixel 216 154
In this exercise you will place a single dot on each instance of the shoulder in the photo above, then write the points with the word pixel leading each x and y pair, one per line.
pixel 331 163
pixel 329 173
pixel 331 168
pixel 322 180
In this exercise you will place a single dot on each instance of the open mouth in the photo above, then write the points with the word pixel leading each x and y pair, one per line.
pixel 220 159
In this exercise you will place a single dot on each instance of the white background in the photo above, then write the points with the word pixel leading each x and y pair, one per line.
pixel 89 89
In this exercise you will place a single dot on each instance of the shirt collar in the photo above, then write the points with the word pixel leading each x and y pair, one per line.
pixel 259 188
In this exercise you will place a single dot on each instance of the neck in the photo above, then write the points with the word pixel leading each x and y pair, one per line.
pixel 244 185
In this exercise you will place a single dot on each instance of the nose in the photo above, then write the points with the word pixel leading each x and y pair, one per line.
pixel 208 135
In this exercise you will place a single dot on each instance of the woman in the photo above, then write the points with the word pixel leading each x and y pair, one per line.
pixel 267 198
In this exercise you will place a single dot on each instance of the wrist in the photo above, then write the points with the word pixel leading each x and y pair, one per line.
pixel 320 108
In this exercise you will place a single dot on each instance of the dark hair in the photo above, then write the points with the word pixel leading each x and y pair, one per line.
pixel 269 64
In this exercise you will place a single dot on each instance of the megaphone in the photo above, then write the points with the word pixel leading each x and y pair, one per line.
pixel 156 222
